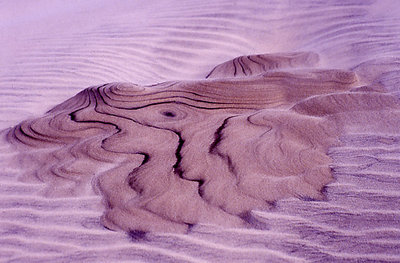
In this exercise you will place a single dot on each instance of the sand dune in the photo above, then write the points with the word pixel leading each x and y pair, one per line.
pixel 329 73
pixel 192 152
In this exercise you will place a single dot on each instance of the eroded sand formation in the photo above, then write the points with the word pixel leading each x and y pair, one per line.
pixel 174 154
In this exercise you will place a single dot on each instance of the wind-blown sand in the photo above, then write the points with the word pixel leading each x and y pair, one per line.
pixel 291 156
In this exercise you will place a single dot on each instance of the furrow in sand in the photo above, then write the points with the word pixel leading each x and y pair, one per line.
pixel 63 217
pixel 95 65
pixel 244 238
pixel 372 192
pixel 31 246
pixel 212 34
pixel 8 188
pixel 50 214
pixel 367 159
pixel 318 223
pixel 391 152
pixel 222 247
pixel 378 176
pixel 369 168
pixel 66 235
pixel 302 247
pixel 126 253
pixel 315 252
pixel 45 204
pixel 91 69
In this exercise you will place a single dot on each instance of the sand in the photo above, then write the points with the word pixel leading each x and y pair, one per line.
pixel 290 155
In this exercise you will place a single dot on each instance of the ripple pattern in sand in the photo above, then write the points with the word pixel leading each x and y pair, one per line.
pixel 361 209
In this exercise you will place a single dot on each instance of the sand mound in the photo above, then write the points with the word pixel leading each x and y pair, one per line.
pixel 170 155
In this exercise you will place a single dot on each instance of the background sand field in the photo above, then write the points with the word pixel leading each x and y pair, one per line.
pixel 51 50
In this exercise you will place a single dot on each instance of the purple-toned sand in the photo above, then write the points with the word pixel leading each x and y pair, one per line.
pixel 203 131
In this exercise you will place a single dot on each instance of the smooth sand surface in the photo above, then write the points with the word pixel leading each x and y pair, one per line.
pixel 255 132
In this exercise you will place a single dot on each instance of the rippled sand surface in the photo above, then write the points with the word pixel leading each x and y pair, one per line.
pixel 228 131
